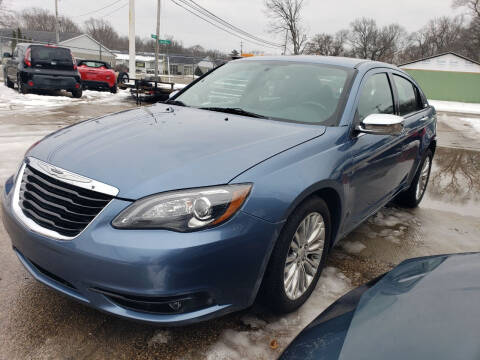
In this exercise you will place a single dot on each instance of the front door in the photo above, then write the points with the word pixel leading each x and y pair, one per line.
pixel 375 174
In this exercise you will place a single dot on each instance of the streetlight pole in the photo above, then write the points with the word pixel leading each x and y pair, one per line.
pixel 159 4
pixel 131 41
pixel 57 35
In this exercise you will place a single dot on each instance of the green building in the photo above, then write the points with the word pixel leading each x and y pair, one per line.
pixel 447 76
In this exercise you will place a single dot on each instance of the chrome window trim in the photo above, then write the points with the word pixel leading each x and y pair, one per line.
pixel 60 175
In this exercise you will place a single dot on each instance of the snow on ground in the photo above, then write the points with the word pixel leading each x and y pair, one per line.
pixel 10 99
pixel 474 123
pixel 469 127
pixel 268 337
pixel 353 247
pixel 457 107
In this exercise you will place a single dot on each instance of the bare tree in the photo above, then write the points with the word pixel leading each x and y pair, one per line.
pixel 38 19
pixel 326 44
pixel 286 19
pixel 472 5
pixel 7 18
pixel 102 31
pixel 368 41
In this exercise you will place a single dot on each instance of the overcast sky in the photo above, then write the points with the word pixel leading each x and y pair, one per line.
pixel 319 16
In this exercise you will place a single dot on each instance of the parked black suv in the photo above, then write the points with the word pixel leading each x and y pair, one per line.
pixel 48 67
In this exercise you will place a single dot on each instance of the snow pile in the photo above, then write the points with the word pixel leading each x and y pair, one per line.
pixel 10 99
pixel 267 338
pixel 394 223
pixel 457 107
pixel 353 247
pixel 159 337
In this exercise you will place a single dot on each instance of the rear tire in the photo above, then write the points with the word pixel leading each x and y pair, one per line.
pixel 21 86
pixel 114 89
pixel 77 93
pixel 277 292
pixel 7 82
pixel 412 197
pixel 123 78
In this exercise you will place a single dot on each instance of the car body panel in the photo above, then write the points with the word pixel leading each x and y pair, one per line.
pixel 93 77
pixel 177 141
pixel 409 313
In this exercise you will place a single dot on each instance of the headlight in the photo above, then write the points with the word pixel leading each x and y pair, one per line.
pixel 184 210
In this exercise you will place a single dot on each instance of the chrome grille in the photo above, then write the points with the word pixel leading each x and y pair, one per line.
pixel 55 205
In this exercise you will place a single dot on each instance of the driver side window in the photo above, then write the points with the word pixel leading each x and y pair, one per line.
pixel 375 97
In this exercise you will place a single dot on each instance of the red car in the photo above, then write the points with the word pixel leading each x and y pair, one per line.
pixel 97 75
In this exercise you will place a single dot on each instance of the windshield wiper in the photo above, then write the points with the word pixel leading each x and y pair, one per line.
pixel 236 111
pixel 175 102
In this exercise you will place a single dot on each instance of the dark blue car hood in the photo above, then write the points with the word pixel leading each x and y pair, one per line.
pixel 152 149
pixel 426 308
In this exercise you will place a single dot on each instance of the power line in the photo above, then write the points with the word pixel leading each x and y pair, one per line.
pixel 223 29
pixel 102 8
pixel 114 11
pixel 212 16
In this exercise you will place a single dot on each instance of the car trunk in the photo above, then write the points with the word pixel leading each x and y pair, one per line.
pixel 49 57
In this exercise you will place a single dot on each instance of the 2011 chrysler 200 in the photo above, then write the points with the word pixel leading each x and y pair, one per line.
pixel 236 188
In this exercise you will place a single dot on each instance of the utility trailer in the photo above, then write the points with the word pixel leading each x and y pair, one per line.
pixel 148 90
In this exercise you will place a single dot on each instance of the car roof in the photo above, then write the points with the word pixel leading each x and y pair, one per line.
pixel 25 45
pixel 347 62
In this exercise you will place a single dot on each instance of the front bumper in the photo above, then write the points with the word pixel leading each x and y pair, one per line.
pixel 225 264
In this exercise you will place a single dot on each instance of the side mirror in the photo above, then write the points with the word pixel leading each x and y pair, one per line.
pixel 381 124
pixel 7 55
pixel 173 93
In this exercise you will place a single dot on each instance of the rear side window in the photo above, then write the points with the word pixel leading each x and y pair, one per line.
pixel 42 54
pixel 375 97
pixel 408 96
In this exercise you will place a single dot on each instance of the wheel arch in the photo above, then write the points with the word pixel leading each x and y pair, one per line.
pixel 331 194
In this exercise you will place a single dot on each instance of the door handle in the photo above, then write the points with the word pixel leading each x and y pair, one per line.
pixel 425 118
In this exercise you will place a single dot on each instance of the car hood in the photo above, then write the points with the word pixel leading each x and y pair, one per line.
pixel 163 147
pixel 425 308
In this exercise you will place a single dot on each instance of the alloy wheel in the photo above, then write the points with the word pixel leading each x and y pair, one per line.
pixel 304 255
pixel 423 178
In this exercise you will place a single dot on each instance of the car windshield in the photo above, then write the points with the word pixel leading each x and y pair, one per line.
pixel 291 91
pixel 92 64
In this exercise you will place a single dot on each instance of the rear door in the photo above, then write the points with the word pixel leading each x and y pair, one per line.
pixel 52 58
pixel 413 107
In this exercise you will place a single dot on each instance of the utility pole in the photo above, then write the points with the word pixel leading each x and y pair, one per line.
pixel 241 48
pixel 57 35
pixel 157 44
pixel 131 40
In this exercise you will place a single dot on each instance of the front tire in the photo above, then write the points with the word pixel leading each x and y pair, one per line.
pixel 412 197
pixel 298 257
pixel 114 89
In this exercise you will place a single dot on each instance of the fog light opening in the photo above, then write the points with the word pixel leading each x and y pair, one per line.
pixel 175 305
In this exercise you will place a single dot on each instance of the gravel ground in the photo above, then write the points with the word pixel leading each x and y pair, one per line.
pixel 38 323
